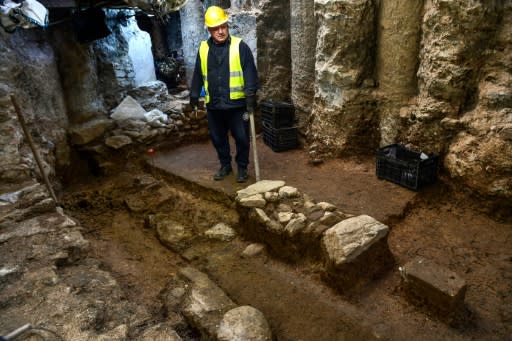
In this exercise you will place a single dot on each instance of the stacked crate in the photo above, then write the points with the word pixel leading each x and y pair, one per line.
pixel 279 132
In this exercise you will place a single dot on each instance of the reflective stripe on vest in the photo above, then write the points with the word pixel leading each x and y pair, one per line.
pixel 236 76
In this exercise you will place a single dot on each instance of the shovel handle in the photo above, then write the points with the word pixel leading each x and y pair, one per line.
pixel 21 119
pixel 16 332
pixel 254 149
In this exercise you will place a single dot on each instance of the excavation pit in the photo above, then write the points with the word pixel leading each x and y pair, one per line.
pixel 287 279
pixel 118 215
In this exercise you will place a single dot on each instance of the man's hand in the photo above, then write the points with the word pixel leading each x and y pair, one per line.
pixel 251 103
pixel 193 102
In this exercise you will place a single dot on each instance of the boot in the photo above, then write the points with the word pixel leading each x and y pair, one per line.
pixel 242 175
pixel 222 173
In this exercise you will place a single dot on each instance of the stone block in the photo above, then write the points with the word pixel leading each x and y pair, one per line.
pixel 355 252
pixel 430 284
pixel 255 200
pixel 89 131
pixel 259 188
pixel 203 302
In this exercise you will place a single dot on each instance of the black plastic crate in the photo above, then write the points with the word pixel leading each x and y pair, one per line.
pixel 405 167
pixel 280 139
pixel 277 114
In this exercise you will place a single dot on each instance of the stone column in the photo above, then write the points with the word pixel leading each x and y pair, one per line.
pixel 303 44
pixel 173 32
pixel 192 32
pixel 273 39
pixel 397 59
pixel 343 109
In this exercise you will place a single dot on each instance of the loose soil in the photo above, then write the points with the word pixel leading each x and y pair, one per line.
pixel 437 223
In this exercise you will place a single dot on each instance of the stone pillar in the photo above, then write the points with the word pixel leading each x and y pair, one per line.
pixel 158 39
pixel 274 64
pixel 397 60
pixel 343 109
pixel 243 25
pixel 303 44
pixel 192 32
pixel 173 32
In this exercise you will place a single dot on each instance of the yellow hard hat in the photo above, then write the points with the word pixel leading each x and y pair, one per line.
pixel 215 16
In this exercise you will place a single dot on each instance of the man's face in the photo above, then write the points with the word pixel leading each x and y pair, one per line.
pixel 219 33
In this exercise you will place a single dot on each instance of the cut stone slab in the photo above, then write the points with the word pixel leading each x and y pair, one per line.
pixel 356 251
pixel 259 188
pixel 426 282
pixel 204 303
pixel 255 200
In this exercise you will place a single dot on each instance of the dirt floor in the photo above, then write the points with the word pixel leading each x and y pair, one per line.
pixel 436 223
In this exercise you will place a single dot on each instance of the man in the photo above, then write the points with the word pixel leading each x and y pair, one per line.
pixel 225 69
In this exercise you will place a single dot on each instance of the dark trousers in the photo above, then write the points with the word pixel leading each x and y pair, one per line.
pixel 236 121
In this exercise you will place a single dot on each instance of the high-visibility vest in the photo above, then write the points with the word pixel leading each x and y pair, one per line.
pixel 236 75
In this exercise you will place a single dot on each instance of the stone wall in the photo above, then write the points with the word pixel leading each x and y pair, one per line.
pixel 97 75
pixel 124 57
pixel 480 154
pixel 66 89
pixel 352 249
pixel 29 72
pixel 432 75
pixel 461 109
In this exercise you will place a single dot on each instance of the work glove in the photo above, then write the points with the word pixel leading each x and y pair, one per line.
pixel 251 103
pixel 193 102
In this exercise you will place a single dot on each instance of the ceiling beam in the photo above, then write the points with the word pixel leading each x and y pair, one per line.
pixel 59 3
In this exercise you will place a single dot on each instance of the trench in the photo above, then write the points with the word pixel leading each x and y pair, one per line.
pixel 294 300
pixel 298 303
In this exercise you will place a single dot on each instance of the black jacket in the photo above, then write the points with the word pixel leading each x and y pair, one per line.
pixel 218 75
